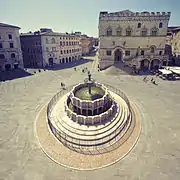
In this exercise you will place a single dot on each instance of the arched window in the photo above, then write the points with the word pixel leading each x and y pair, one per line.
pixel 160 25
pixel 52 40
pixel 152 49
pixel 13 55
pixel 139 25
pixel 118 31
pixel 109 32
pixel 154 31
pixel 144 32
pixel 128 31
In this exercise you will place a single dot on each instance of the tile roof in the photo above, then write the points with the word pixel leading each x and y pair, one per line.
pixel 8 25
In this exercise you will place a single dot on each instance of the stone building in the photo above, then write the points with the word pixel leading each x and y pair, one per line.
pixel 86 44
pixel 46 48
pixel 135 38
pixel 173 40
pixel 10 48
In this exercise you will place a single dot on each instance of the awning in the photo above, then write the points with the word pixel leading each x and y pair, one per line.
pixel 176 71
pixel 164 71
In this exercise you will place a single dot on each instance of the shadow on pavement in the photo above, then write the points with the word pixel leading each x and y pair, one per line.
pixel 13 74
pixel 56 67
pixel 126 70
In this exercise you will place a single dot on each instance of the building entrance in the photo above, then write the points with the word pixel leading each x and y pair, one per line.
pixel 117 55
pixel 51 61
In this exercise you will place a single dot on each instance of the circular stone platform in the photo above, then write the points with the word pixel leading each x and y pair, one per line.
pixel 66 157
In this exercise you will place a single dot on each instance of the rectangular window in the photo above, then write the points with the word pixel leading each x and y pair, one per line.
pixel 142 52
pixel 11 45
pixel 53 48
pixel 108 53
pixel 60 43
pixel 127 53
pixel 1 46
pixel 10 36
pixel 160 53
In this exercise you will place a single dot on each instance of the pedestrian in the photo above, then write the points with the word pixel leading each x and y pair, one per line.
pixel 144 79
pixel 152 79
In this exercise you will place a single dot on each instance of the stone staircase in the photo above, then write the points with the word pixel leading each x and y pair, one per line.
pixel 90 139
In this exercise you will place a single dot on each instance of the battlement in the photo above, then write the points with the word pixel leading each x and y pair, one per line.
pixel 127 13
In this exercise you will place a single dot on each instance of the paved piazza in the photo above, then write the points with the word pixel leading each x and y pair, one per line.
pixel 155 156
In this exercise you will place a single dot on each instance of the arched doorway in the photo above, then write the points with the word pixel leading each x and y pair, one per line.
pixel 63 61
pixel 144 64
pixel 51 61
pixel 73 58
pixel 16 65
pixel 117 55
pixel 66 60
pixel 69 59
pixel 155 64
pixel 7 67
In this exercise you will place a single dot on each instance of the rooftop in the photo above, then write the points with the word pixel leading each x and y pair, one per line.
pixel 48 33
pixel 8 25
pixel 130 13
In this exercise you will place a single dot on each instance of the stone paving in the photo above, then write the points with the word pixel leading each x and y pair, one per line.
pixel 156 155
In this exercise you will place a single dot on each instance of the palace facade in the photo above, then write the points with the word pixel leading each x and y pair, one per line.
pixel 135 38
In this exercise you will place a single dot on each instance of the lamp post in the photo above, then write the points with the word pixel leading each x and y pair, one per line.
pixel 89 80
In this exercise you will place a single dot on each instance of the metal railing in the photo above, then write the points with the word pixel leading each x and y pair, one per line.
pixel 108 143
